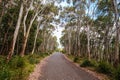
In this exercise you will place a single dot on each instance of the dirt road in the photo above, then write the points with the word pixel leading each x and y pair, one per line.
pixel 59 68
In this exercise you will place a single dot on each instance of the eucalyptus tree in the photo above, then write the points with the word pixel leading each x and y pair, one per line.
pixel 40 9
pixel 35 13
pixel 7 20
pixel 116 20
pixel 46 19
pixel 97 22
pixel 79 16
pixel 6 11
pixel 36 35
pixel 106 18
pixel 48 42
pixel 69 16
pixel 4 6
pixel 16 31
pixel 18 10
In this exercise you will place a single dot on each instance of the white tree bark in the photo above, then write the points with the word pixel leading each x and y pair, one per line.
pixel 26 36
pixel 88 41
pixel 16 32
pixel 37 31
pixel 25 17
pixel 117 31
pixel 37 11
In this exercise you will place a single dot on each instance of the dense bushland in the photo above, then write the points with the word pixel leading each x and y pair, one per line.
pixel 26 36
pixel 19 68
pixel 87 63
pixel 100 67
pixel 92 31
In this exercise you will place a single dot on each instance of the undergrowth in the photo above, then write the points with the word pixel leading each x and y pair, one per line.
pixel 19 68
pixel 100 67
pixel 88 63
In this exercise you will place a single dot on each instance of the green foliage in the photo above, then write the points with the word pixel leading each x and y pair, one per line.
pixel 5 73
pixel 33 59
pixel 105 68
pixel 2 60
pixel 117 74
pixel 18 62
pixel 19 68
pixel 63 51
pixel 76 59
pixel 44 54
pixel 87 63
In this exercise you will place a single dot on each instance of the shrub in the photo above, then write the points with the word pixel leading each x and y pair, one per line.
pixel 21 62
pixel 18 62
pixel 33 59
pixel 117 73
pixel 76 59
pixel 105 68
pixel 44 54
pixel 87 63
pixel 5 73
pixel 18 68
pixel 30 68
pixel 63 51
pixel 2 60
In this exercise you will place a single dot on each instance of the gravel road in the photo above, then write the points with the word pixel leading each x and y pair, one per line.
pixel 59 68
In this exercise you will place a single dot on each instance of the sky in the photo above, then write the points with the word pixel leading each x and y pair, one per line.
pixel 58 34
pixel 59 29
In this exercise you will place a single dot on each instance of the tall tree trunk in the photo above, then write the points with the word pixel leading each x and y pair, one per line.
pixel 26 36
pixel 78 30
pixel 16 32
pixel 69 42
pixel 43 46
pixel 88 41
pixel 37 31
pixel 26 14
pixel 117 32
pixel 106 43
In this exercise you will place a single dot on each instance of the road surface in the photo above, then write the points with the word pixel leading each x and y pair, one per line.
pixel 59 68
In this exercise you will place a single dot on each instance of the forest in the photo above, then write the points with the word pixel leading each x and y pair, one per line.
pixel 26 32
pixel 91 32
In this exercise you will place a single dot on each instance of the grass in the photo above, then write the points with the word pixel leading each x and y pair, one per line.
pixel 19 68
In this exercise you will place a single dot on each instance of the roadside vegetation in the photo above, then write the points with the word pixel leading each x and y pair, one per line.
pixel 26 36
pixel 92 35
pixel 19 68
pixel 104 68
